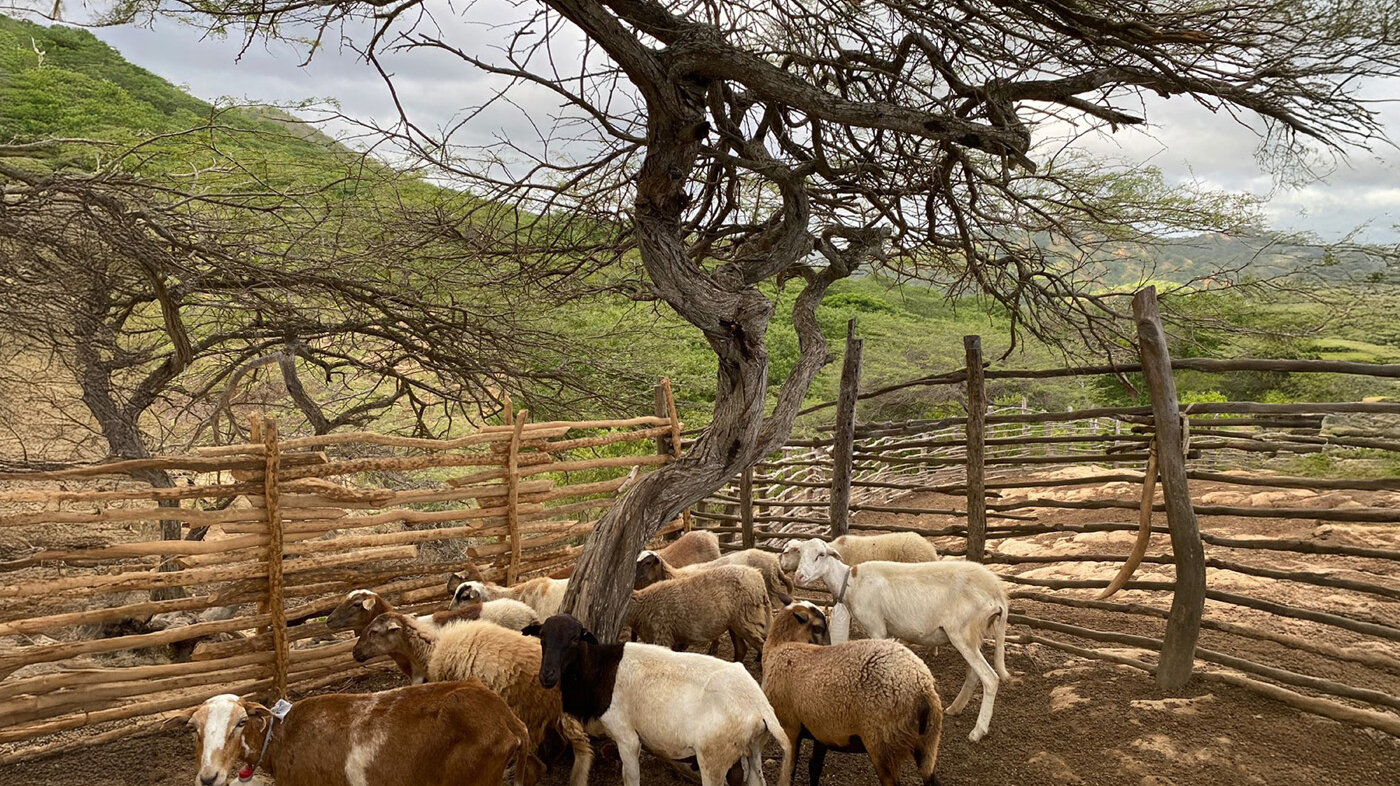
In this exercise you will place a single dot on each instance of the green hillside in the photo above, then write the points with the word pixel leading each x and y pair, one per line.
pixel 58 82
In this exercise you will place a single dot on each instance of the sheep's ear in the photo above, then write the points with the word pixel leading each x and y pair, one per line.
pixel 588 637
pixel 800 617
pixel 834 552
pixel 533 629
pixel 393 625
pixel 367 604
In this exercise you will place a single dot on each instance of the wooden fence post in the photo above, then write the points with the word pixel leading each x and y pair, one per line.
pixel 843 446
pixel 513 496
pixel 670 412
pixel 271 503
pixel 746 507
pixel 1188 598
pixel 976 449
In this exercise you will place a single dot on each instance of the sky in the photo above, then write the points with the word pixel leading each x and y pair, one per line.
pixel 1184 140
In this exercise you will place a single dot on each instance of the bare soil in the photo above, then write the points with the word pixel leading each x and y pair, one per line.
pixel 1061 720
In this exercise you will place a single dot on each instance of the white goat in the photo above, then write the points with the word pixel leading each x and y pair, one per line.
pixel 930 603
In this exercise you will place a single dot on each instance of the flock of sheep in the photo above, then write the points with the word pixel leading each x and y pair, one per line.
pixel 485 698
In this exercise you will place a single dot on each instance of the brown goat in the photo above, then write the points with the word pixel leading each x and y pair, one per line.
pixel 443 734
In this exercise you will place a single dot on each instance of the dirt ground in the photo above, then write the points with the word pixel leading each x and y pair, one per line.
pixel 1063 720
pixel 1060 721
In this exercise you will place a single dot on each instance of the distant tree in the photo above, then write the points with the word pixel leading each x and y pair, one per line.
pixel 728 145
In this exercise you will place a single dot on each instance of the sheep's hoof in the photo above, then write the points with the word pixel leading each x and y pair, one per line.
pixel 977 735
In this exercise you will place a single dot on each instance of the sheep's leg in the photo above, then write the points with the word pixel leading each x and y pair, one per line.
pixel 817 762
pixel 964 695
pixel 875 628
pixel 999 637
pixel 790 756
pixel 886 766
pixel 712 772
pixel 754 776
pixel 972 653
pixel 629 749
pixel 926 752
pixel 582 748
pixel 741 646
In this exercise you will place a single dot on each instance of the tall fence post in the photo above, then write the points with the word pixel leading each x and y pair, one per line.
pixel 746 507
pixel 1188 598
pixel 513 496
pixel 843 446
pixel 669 402
pixel 272 501
pixel 976 449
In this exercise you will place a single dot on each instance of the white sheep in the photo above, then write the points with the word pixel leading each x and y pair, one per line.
pixel 885 547
pixel 929 603
pixel 675 704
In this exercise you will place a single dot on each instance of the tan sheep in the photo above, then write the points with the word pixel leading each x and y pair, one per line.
pixel 544 595
pixel 699 607
pixel 507 662
pixel 886 547
pixel 871 693
pixel 691 548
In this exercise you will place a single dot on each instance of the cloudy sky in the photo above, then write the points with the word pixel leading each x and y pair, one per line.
pixel 1185 141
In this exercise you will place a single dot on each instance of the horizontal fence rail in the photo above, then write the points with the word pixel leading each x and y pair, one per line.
pixel 106 627
pixel 1302 600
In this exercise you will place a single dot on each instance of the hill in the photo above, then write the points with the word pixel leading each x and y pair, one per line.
pixel 59 82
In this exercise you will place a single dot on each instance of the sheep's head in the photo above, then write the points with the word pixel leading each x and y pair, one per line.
pixel 228 737
pixel 455 580
pixel 813 558
pixel 358 609
pixel 470 592
pixel 790 556
pixel 386 634
pixel 800 621
pixel 650 569
pixel 560 638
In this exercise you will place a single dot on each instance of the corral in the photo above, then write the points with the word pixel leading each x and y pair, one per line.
pixel 1294 676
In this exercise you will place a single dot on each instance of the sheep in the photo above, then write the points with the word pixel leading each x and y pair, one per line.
pixel 444 734
pixel 887 547
pixel 544 595
pixel 503 659
pixel 928 603
pixel 361 606
pixel 692 548
pixel 651 568
pixel 868 694
pixel 700 607
pixel 676 704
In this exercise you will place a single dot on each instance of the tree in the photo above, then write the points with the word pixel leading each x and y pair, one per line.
pixel 732 147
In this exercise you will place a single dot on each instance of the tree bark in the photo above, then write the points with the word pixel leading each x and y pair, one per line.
pixel 976 449
pixel 843 440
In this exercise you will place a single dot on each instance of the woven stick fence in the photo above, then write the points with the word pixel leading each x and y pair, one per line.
pixel 1309 618
pixel 94 635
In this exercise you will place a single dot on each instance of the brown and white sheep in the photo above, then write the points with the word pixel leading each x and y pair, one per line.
pixel 652 567
pixel 544 595
pixel 873 695
pixel 444 734
pixel 504 660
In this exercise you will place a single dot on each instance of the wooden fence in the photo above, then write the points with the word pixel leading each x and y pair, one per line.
pixel 105 627
pixel 1310 617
